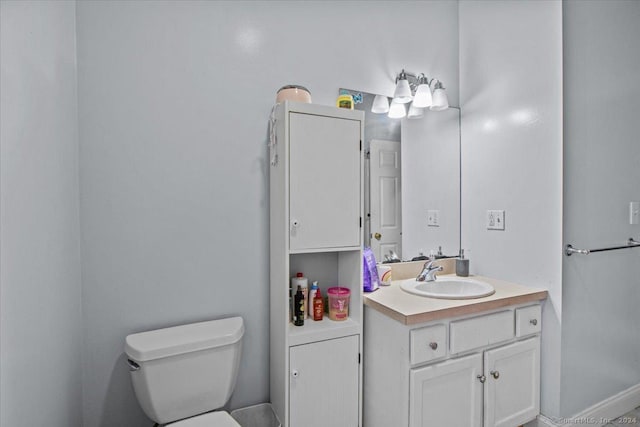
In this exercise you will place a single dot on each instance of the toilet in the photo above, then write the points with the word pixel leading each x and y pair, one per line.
pixel 181 374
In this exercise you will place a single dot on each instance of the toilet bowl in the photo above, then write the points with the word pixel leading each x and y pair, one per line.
pixel 181 374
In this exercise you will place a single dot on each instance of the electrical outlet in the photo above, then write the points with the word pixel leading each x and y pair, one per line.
pixel 433 218
pixel 495 220
pixel 634 213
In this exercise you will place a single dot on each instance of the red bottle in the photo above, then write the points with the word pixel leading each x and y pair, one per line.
pixel 318 306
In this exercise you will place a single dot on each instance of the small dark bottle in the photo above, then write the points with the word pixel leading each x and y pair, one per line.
pixel 298 308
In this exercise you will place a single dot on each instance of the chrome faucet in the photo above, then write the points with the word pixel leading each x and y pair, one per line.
pixel 428 273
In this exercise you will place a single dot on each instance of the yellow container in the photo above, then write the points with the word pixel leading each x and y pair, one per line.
pixel 345 101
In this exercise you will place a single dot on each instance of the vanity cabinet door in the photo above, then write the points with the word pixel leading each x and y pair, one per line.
pixel 324 383
pixel 324 185
pixel 447 393
pixel 512 387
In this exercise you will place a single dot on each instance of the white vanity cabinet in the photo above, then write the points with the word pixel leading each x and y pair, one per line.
pixel 469 371
pixel 447 393
pixel 512 383
pixel 316 205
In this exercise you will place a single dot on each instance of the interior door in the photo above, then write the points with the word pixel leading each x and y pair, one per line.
pixel 447 393
pixel 323 385
pixel 386 198
pixel 324 188
pixel 512 388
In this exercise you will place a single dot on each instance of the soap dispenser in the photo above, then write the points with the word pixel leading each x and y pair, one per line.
pixel 462 265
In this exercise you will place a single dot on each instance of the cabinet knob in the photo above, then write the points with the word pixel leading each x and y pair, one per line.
pixel 295 223
pixel 377 236
pixel 534 322
pixel 495 374
pixel 295 373
pixel 433 345
pixel 482 378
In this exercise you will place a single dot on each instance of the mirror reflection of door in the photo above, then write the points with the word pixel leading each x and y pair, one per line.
pixel 386 198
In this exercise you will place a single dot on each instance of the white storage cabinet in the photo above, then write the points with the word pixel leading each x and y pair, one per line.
pixel 481 370
pixel 316 206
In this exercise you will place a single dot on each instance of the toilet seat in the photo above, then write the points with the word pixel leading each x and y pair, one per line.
pixel 211 419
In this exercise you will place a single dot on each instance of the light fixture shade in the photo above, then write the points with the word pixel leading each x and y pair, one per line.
pixel 423 97
pixel 402 93
pixel 397 110
pixel 380 104
pixel 415 112
pixel 440 100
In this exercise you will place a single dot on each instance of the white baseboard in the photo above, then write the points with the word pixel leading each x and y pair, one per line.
pixel 599 414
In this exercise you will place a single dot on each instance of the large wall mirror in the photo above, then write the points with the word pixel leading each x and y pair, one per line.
pixel 412 182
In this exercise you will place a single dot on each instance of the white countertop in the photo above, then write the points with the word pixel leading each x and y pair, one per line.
pixel 411 309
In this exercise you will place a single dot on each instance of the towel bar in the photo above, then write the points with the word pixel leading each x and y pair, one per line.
pixel 631 243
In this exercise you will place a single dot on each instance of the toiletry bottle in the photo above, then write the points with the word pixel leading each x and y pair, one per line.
pixel 312 295
pixel 303 282
pixel 298 308
pixel 462 265
pixel 345 100
pixel 318 306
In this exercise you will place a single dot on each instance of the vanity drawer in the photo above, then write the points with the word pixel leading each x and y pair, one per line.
pixel 428 343
pixel 528 320
pixel 480 331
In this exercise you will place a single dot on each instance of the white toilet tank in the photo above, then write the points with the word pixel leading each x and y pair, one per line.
pixel 187 370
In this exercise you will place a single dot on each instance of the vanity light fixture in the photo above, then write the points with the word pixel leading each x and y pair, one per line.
pixel 423 92
pixel 423 96
pixel 397 110
pixel 380 104
pixel 403 93
pixel 440 100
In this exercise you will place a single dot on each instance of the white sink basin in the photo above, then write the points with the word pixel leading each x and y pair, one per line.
pixel 448 288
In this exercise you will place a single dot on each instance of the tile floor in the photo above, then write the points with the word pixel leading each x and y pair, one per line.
pixel 630 419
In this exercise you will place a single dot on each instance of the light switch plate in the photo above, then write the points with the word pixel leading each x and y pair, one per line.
pixel 495 220
pixel 634 213
pixel 433 218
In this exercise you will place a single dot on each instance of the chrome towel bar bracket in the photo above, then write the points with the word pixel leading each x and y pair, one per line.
pixel 631 243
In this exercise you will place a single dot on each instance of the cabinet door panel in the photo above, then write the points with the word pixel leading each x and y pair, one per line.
pixel 447 394
pixel 324 187
pixel 324 383
pixel 513 398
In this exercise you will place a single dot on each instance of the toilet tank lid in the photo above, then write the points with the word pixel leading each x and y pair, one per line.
pixel 176 340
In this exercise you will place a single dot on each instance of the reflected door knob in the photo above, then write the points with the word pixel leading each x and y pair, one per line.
pixel 377 236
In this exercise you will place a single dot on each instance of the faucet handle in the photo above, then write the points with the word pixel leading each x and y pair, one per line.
pixel 429 266
pixel 428 272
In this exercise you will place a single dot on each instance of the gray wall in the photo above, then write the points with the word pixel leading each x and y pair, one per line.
pixel 174 100
pixel 40 305
pixel 601 292
pixel 511 101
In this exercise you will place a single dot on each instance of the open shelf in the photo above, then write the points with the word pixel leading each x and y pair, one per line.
pixel 320 330
pixel 317 250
